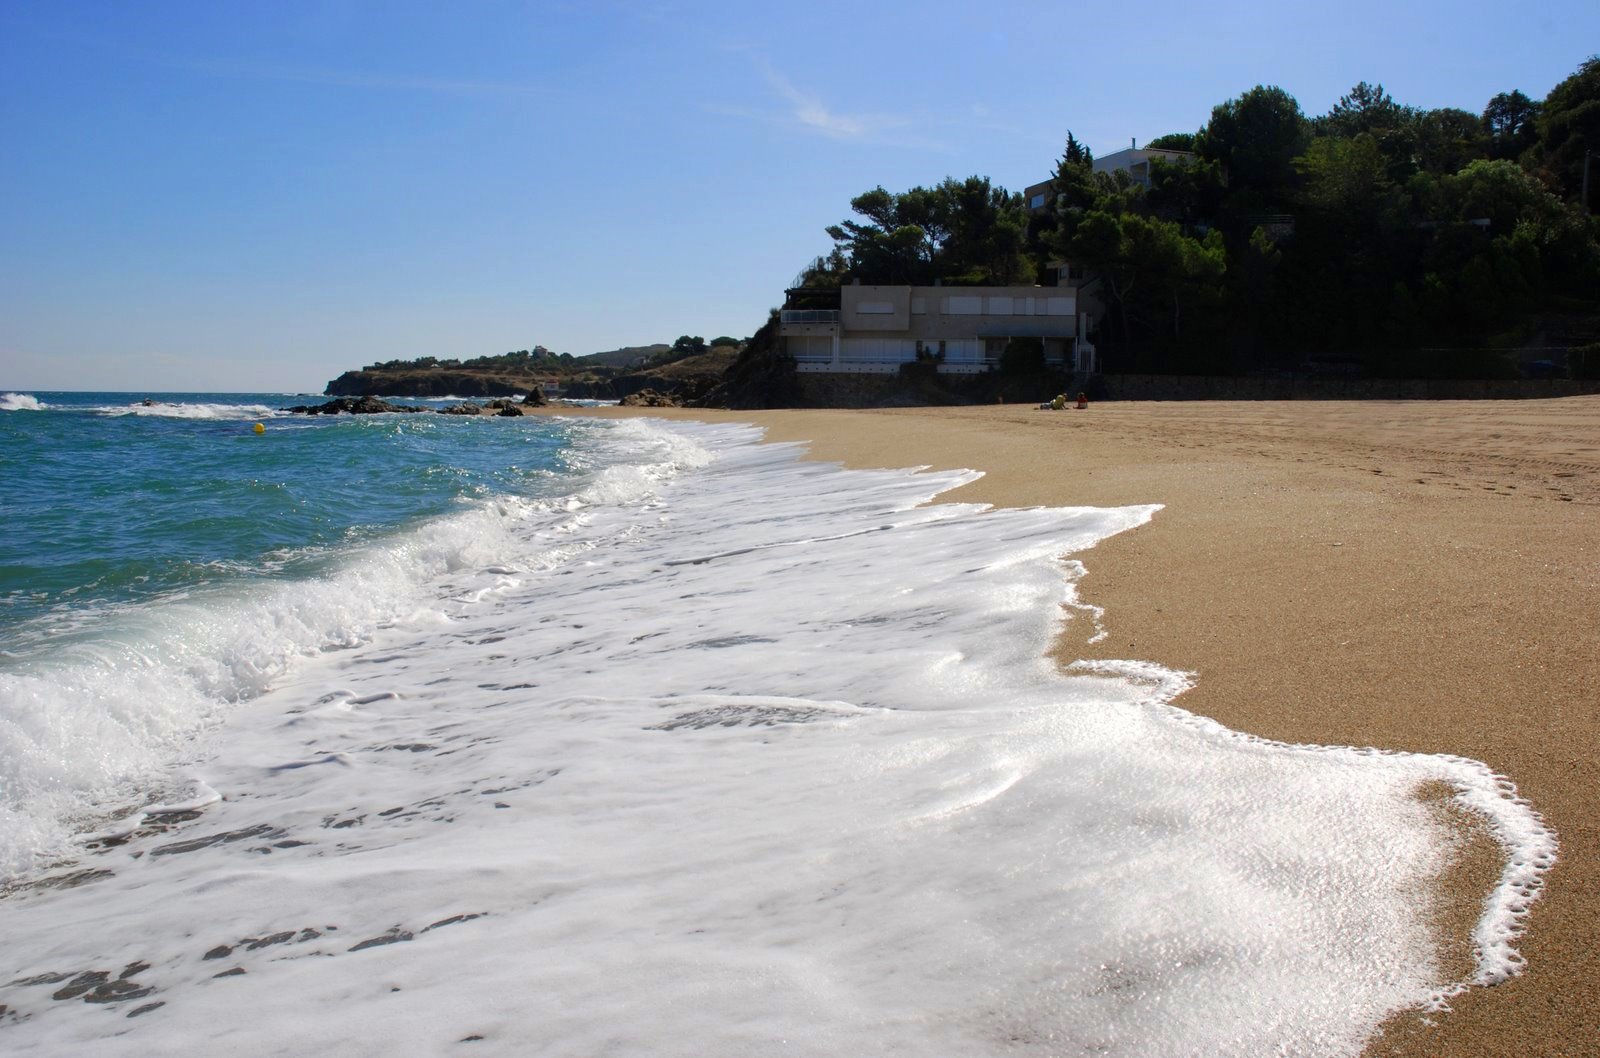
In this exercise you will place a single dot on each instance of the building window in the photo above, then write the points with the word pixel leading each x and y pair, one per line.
pixel 1000 306
pixel 963 306
pixel 1060 307
pixel 1037 201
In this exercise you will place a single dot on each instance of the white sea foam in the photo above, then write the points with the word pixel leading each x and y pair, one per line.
pixel 160 409
pixel 21 402
pixel 89 723
pixel 766 756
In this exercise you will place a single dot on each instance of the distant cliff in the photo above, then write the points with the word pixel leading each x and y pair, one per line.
pixel 431 382
pixel 688 369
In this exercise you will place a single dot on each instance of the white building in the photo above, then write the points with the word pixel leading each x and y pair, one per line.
pixel 1135 161
pixel 964 330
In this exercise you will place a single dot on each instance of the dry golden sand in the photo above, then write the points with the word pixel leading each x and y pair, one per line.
pixel 1411 575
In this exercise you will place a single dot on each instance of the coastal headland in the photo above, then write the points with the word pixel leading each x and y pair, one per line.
pixel 1419 576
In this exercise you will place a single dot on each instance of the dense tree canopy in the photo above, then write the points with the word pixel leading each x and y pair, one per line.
pixel 1256 139
pixel 1368 231
pixel 1509 121
pixel 1569 126
pixel 961 231
pixel 1173 141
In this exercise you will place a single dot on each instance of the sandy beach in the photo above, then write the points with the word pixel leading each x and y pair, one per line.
pixel 1419 576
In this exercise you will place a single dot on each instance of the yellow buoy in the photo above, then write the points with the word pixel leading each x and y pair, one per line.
pixel 258 428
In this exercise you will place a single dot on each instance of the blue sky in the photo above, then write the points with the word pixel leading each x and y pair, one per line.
pixel 257 196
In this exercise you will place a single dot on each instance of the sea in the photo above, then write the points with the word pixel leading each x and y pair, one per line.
pixel 579 736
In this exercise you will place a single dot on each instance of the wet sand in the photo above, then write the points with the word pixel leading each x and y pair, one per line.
pixel 1416 576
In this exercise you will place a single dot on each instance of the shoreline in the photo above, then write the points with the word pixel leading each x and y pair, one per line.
pixel 1416 576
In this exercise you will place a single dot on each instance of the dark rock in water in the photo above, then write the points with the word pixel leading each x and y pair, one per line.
pixel 96 986
pixel 394 936
pixel 260 830
pixel 739 716
pixel 499 406
pixel 367 405
pixel 649 398
pixel 253 943
pixel 169 819
pixel 117 992
pixel 42 979
pixel 221 951
pixel 535 398
pixel 62 881
pixel 147 1008
pixel 82 984
pixel 454 920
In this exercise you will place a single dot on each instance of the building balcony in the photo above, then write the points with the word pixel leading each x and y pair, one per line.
pixel 809 316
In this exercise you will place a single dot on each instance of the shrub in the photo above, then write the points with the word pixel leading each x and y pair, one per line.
pixel 1022 356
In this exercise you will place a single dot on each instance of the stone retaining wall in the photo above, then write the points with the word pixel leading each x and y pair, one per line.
pixel 1200 387
pixel 872 391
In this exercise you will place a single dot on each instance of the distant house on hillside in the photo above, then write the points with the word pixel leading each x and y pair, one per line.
pixel 963 330
pixel 1135 161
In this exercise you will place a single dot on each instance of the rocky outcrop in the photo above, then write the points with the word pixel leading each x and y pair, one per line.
pixel 598 389
pixel 535 398
pixel 688 379
pixel 503 406
pixel 353 406
pixel 649 398
pixel 431 382
pixel 762 376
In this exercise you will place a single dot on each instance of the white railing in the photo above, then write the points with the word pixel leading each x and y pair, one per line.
pixel 810 316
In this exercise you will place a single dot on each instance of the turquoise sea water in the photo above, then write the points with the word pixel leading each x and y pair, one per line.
pixel 110 502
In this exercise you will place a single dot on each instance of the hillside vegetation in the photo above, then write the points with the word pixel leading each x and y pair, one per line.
pixel 688 365
pixel 1391 239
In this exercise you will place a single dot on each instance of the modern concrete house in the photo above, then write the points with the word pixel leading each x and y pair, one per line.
pixel 1135 161
pixel 963 330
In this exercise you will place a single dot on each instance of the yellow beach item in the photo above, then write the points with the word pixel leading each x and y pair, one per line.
pixel 258 428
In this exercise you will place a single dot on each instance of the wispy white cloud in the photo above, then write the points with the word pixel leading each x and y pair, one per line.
pixel 806 110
